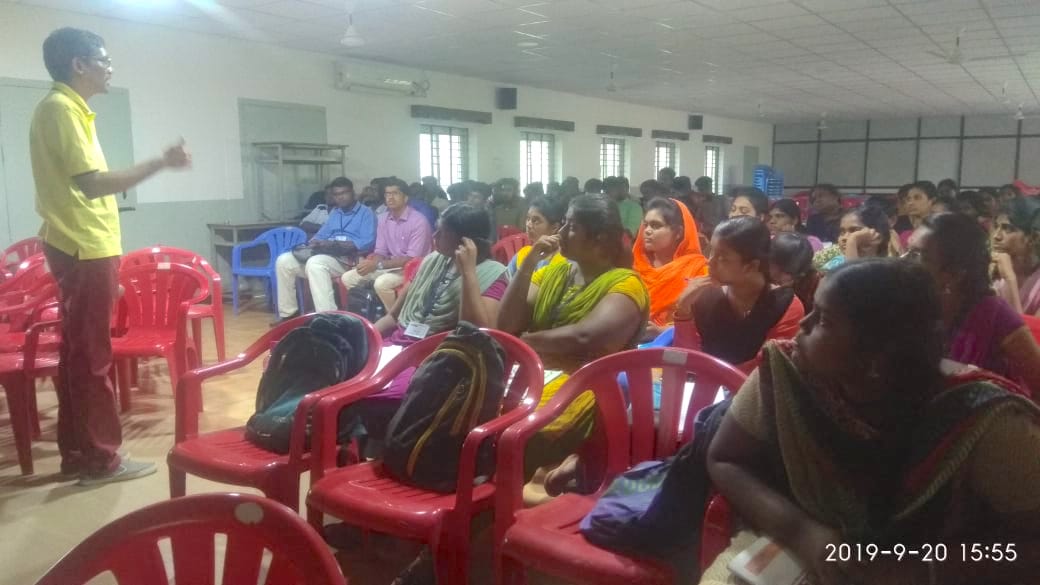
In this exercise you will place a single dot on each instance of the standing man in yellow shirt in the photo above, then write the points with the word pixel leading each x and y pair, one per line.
pixel 74 196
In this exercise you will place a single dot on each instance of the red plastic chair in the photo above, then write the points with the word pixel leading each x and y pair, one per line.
pixel 365 495
pixel 1034 325
pixel 547 537
pixel 18 370
pixel 153 315
pixel 214 309
pixel 28 276
pixel 129 548
pixel 504 231
pixel 20 251
pixel 505 248
pixel 226 456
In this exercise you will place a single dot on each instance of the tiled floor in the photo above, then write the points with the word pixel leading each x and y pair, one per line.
pixel 41 518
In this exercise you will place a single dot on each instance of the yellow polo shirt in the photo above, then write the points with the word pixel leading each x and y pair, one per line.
pixel 63 144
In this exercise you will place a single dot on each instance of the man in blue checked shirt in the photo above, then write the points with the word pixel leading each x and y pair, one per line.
pixel 349 231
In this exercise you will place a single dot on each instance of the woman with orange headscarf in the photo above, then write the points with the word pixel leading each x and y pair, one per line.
pixel 668 255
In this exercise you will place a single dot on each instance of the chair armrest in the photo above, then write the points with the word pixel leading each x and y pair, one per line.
pixel 511 446
pixel 325 414
pixel 476 437
pixel 189 388
pixel 236 250
pixel 32 341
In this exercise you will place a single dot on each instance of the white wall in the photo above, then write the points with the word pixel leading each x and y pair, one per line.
pixel 187 84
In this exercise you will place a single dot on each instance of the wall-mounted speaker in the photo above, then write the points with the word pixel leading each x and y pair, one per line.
pixel 505 98
pixel 696 122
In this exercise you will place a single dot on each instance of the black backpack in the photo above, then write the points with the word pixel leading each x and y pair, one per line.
pixel 331 348
pixel 363 300
pixel 458 387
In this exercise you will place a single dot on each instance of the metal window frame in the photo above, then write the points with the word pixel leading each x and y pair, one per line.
pixel 459 159
pixel 673 154
pixel 713 164
pixel 526 138
pixel 618 163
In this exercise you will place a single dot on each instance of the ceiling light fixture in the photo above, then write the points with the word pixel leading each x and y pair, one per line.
pixel 351 38
pixel 527 44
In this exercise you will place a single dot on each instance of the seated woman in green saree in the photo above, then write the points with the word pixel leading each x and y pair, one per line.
pixel 573 312
pixel 857 432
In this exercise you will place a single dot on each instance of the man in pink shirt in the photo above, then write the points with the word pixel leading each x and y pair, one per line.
pixel 402 233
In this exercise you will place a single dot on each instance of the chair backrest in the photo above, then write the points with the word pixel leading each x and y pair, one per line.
pixel 504 249
pixel 157 254
pixel 629 429
pixel 154 294
pixel 524 385
pixel 31 274
pixel 1034 325
pixel 186 533
pixel 282 239
pixel 21 250
pixel 504 231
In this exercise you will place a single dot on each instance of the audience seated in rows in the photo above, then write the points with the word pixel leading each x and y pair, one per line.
pixel 507 207
pixel 457 281
pixel 544 218
pixel 349 231
pixel 572 313
pixel 666 257
pixel 981 328
pixel 616 189
pixel 749 202
pixel 855 434
pixel 317 208
pixel 402 233
pixel 918 205
pixel 791 264
pixel 708 208
pixel 436 196
pixel 825 200
pixel 731 313
pixel 864 233
pixel 786 217
pixel 1016 237
pixel 890 208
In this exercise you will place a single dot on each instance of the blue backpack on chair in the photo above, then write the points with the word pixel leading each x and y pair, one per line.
pixel 656 508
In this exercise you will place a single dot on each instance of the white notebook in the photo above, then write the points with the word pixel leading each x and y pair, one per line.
pixel 767 563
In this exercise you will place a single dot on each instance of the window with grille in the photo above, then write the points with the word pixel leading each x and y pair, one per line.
pixel 713 166
pixel 443 153
pixel 664 156
pixel 612 157
pixel 537 153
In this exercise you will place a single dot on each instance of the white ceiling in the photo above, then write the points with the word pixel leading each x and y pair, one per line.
pixel 750 59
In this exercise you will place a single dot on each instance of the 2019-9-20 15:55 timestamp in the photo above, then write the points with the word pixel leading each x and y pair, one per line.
pixel 976 552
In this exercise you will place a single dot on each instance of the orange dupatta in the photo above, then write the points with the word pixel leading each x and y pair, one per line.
pixel 666 283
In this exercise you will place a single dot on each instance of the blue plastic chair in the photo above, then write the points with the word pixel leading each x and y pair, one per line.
pixel 278 241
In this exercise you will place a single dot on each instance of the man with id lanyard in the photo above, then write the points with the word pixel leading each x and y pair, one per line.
pixel 349 232
pixel 402 233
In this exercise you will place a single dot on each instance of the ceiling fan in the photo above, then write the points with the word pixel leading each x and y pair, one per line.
pixel 351 37
pixel 1021 115
pixel 956 56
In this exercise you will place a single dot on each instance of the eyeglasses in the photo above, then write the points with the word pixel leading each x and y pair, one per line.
pixel 105 62
pixel 913 255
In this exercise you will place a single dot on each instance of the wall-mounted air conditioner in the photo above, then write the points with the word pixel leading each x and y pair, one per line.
pixel 379 79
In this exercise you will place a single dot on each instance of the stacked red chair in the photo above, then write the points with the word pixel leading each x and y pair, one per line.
pixel 153 319
pixel 213 309
pixel 546 538
pixel 365 495
pixel 18 370
pixel 505 248
pixel 254 528
pixel 19 252
pixel 225 455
